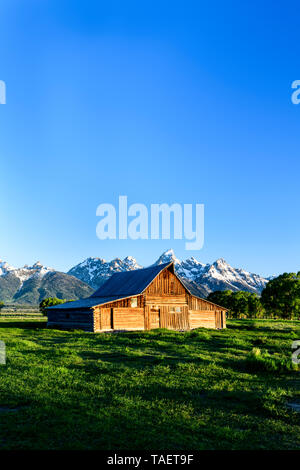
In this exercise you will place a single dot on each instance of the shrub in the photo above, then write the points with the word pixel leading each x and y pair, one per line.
pixel 50 302
pixel 262 361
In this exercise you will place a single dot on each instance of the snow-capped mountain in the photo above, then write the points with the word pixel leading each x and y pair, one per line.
pixel 31 284
pixel 95 271
pixel 216 276
pixel 26 272
pixel 205 277
pixel 189 269
pixel 5 268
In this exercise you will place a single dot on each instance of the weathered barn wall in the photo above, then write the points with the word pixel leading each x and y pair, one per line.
pixel 102 319
pixel 220 319
pixel 174 320
pixel 200 304
pixel 71 319
pixel 202 319
pixel 128 318
pixel 118 318
pixel 126 302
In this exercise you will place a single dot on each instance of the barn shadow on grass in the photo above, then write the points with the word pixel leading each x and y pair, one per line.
pixel 28 325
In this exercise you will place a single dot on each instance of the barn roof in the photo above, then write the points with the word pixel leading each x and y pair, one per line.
pixel 129 283
pixel 89 302
pixel 118 286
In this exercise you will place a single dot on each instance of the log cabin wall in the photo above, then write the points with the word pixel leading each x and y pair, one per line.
pixel 126 303
pixel 71 319
pixel 128 318
pixel 205 314
pixel 120 315
pixel 202 319
pixel 200 304
pixel 202 314
pixel 103 319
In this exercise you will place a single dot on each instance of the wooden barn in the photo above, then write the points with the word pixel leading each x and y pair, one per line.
pixel 143 299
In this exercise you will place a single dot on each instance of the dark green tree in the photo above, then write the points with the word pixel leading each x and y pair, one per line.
pixel 222 298
pixel 2 304
pixel 281 296
pixel 255 308
pixel 50 302
pixel 240 303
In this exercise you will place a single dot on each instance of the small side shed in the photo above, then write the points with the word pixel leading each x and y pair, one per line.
pixel 143 299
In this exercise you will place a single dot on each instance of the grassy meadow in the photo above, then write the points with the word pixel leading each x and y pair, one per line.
pixel 203 389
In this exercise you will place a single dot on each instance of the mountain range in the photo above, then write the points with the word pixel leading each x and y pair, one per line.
pixel 31 284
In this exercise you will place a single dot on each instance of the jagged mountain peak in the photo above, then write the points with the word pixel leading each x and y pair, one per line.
pixel 167 256
pixel 221 262
pixel 30 284
pixel 5 268
pixel 37 264
pixel 95 271
pixel 209 277
pixel 25 271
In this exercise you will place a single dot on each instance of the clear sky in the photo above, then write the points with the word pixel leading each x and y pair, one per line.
pixel 162 101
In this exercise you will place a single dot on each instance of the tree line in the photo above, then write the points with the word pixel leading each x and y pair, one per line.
pixel 279 299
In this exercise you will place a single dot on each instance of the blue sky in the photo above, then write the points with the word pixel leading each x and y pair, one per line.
pixel 186 102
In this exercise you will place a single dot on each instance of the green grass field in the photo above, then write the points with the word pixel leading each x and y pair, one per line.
pixel 159 390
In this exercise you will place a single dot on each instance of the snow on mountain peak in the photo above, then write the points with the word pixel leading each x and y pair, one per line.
pixel 209 277
pixel 5 268
pixel 169 252
pixel 38 264
pixel 220 262
pixel 95 271
pixel 167 257
pixel 131 262
pixel 25 273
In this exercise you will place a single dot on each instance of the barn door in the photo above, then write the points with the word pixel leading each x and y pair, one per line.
pixel 219 319
pixel 154 318
pixel 106 319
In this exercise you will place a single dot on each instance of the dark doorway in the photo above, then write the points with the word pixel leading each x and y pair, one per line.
pixel 112 318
